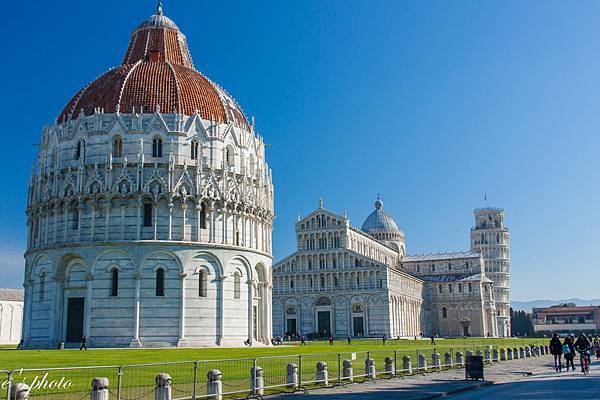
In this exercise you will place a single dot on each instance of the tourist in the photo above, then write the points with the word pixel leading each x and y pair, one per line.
pixel 330 340
pixel 597 347
pixel 83 343
pixel 302 341
pixel 248 342
pixel 383 339
pixel 582 344
pixel 432 339
pixel 349 340
pixel 569 352
pixel 556 349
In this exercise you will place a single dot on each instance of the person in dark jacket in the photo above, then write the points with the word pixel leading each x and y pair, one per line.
pixel 569 352
pixel 83 343
pixel 556 351
pixel 582 344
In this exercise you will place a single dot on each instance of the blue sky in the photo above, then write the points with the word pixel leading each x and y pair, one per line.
pixel 430 103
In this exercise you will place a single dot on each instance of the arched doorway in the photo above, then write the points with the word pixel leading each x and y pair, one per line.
pixel 358 320
pixel 323 316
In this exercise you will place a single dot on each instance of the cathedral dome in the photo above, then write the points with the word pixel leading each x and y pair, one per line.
pixel 379 221
pixel 157 74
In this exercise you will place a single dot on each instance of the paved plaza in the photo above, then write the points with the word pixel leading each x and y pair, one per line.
pixel 517 379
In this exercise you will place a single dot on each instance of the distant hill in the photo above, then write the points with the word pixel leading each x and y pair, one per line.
pixel 528 305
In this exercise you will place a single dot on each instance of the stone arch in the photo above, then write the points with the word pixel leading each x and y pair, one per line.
pixel 167 253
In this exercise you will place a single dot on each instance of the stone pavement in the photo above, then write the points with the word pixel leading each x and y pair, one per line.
pixel 433 385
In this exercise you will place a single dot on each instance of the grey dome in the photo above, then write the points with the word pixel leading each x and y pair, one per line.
pixel 158 20
pixel 379 221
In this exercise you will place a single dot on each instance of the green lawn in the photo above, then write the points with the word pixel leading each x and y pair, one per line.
pixel 14 359
pixel 137 382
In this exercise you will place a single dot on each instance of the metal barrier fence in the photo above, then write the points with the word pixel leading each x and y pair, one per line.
pixel 243 377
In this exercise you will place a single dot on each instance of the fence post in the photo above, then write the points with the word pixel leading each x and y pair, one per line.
pixel 339 372
pixel 300 370
pixel 9 385
pixel 119 375
pixel 395 363
pixel 195 379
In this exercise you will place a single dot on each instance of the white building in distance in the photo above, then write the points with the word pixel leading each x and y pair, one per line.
pixel 11 315
pixel 344 281
pixel 150 210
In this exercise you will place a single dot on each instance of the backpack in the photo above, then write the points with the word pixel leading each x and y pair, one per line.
pixel 566 349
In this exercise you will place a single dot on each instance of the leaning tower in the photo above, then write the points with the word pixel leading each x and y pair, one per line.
pixel 490 238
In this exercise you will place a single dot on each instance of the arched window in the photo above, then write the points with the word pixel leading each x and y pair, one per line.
pixel 229 156
pixel 237 283
pixel 117 147
pixel 80 151
pixel 202 283
pixel 75 221
pixel 203 216
pixel 444 312
pixel 157 147
pixel 194 150
pixel 160 282
pixel 42 285
pixel 114 287
pixel 147 215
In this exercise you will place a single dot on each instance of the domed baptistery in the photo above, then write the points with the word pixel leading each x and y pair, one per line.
pixel 150 211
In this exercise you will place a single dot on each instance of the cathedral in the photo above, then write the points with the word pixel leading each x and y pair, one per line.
pixel 150 210
pixel 344 281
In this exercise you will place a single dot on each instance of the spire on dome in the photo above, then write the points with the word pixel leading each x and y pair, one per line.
pixel 159 8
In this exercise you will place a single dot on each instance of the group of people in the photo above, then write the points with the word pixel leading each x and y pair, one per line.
pixel 569 346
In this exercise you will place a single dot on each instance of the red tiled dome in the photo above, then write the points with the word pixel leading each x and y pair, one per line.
pixel 157 73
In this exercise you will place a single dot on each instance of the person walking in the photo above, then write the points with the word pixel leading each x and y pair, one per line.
pixel 349 340
pixel 384 339
pixel 302 341
pixel 433 339
pixel 597 347
pixel 582 345
pixel 556 349
pixel 330 340
pixel 83 343
pixel 568 351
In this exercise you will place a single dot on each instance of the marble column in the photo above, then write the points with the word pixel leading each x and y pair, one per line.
pixel 87 322
pixel 135 342
pixel 181 340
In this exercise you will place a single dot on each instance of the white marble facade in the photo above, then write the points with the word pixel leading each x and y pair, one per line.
pixel 11 315
pixel 344 281
pixel 150 228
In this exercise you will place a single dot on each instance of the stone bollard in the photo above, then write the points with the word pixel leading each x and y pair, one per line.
pixel 503 355
pixel 469 353
pixel 422 362
pixel 214 385
pixel 291 377
pixel 19 391
pixel 488 355
pixel 509 354
pixel 521 352
pixel 496 355
pixel 547 349
pixel 448 359
pixel 256 380
pixel 162 391
pixel 542 351
pixel 459 358
pixel 348 372
pixel 389 367
pixel 370 368
pixel 435 360
pixel 406 364
pixel 478 353
pixel 322 376
pixel 515 353
pixel 99 389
